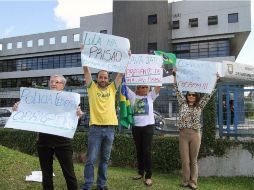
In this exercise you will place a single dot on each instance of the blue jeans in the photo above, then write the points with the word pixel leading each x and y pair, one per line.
pixel 100 140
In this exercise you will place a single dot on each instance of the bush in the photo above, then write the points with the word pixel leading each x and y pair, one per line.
pixel 19 140
pixel 249 110
pixel 165 151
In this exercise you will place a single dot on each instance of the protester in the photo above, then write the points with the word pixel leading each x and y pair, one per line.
pixel 48 145
pixel 103 120
pixel 190 108
pixel 142 131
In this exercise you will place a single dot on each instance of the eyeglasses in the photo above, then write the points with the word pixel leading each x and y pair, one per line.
pixel 193 95
pixel 143 87
pixel 55 82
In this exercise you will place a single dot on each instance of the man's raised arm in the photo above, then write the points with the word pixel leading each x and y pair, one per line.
pixel 119 76
pixel 118 79
pixel 87 75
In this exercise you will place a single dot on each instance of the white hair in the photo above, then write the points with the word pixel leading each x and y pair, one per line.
pixel 61 77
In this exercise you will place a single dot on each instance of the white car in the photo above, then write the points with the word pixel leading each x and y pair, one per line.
pixel 5 113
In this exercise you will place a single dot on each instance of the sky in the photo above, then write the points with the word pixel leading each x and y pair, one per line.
pixel 19 17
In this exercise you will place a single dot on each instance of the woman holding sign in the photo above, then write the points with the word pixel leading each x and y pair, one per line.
pixel 190 109
pixel 142 105
pixel 49 145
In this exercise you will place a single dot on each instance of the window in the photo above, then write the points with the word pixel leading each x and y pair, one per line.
pixel 1 47
pixel 19 44
pixel 30 43
pixel 212 20
pixel 103 31
pixel 64 39
pixel 202 49
pixel 176 24
pixel 76 37
pixel 193 22
pixel 152 19
pixel 38 63
pixel 152 47
pixel 233 18
pixel 40 42
pixel 9 46
pixel 52 40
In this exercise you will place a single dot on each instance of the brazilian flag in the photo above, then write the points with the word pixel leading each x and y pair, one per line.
pixel 126 113
pixel 168 58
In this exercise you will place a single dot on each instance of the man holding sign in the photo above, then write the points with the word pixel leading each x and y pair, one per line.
pixel 49 144
pixel 103 120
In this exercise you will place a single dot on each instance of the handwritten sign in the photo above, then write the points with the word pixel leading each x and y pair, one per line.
pixel 105 52
pixel 144 69
pixel 196 76
pixel 46 111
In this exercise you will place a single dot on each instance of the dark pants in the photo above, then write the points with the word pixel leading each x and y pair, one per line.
pixel 143 137
pixel 64 156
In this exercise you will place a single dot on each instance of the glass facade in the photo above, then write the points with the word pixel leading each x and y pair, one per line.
pixel 202 49
pixel 72 80
pixel 38 63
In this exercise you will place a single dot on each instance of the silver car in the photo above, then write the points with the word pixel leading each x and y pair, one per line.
pixel 5 113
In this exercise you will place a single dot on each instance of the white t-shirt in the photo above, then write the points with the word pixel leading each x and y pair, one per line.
pixel 142 107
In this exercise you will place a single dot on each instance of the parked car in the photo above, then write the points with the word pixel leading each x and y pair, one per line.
pixel 159 121
pixel 83 123
pixel 159 125
pixel 5 113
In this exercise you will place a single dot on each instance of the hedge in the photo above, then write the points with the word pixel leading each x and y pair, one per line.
pixel 165 151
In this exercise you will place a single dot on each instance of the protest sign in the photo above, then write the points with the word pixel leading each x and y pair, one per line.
pixel 196 76
pixel 144 69
pixel 105 52
pixel 46 111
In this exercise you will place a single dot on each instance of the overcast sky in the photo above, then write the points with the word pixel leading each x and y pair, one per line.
pixel 21 17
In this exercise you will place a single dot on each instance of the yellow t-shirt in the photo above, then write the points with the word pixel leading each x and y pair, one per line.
pixel 102 104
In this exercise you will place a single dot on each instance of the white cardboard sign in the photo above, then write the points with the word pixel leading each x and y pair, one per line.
pixel 46 111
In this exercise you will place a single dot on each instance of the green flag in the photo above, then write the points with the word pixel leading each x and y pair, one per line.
pixel 168 58
pixel 126 114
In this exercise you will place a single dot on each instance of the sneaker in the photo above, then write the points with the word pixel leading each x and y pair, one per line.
pixel 102 188
pixel 137 177
pixel 193 186
pixel 148 182
pixel 184 185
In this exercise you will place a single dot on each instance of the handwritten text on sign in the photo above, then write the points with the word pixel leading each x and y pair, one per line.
pixel 46 111
pixel 106 52
pixel 144 69
pixel 196 76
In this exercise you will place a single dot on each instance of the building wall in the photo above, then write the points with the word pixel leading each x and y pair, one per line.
pixel 130 20
pixel 185 10
pixel 97 23
pixel 58 46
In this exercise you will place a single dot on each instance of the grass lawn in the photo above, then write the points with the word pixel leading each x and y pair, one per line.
pixel 14 166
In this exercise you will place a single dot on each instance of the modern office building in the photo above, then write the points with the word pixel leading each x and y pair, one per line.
pixel 190 29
